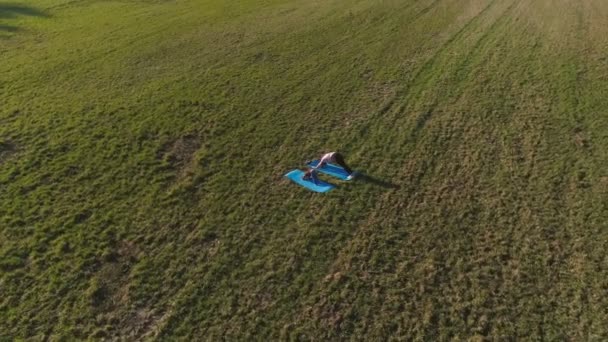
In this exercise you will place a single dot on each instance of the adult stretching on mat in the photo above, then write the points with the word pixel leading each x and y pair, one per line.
pixel 335 158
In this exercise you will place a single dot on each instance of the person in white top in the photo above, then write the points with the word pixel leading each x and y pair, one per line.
pixel 335 158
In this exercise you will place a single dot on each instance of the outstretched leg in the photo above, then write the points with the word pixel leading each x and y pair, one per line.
pixel 340 161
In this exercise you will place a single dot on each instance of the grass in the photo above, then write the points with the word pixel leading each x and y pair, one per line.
pixel 142 147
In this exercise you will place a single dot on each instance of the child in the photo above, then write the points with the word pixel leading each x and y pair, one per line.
pixel 311 175
pixel 335 158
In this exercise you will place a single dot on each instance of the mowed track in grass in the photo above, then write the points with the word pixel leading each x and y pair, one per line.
pixel 142 147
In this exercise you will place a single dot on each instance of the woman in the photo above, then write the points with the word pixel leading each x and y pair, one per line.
pixel 338 159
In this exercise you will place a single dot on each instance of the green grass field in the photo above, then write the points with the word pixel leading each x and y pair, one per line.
pixel 143 143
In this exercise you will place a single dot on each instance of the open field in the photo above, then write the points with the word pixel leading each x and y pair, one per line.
pixel 143 142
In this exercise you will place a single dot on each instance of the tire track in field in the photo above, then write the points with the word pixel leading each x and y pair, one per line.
pixel 465 67
pixel 416 87
pixel 462 70
pixel 366 231
pixel 413 92
pixel 372 24
pixel 425 10
pixel 429 65
pixel 578 173
pixel 426 68
pixel 411 15
pixel 367 238
pixel 417 174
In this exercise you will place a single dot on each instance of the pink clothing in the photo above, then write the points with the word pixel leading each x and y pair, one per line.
pixel 328 158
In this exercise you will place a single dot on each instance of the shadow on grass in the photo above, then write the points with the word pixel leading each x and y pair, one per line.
pixel 376 181
pixel 12 10
pixel 7 28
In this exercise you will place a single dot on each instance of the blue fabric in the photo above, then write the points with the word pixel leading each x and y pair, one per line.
pixel 321 186
pixel 330 169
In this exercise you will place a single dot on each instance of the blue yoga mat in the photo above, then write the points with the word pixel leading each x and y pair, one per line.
pixel 321 186
pixel 330 169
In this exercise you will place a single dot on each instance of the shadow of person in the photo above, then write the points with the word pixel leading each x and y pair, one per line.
pixel 376 181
